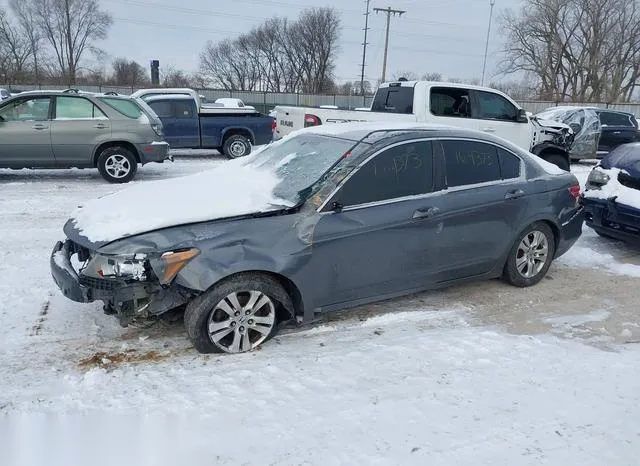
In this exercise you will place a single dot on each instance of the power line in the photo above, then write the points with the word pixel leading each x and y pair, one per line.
pixel 389 12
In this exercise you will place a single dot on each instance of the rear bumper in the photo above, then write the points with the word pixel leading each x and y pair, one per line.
pixel 609 217
pixel 570 231
pixel 154 152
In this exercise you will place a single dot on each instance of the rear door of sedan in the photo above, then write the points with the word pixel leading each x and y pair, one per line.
pixel 486 201
pixel 381 235
pixel 78 127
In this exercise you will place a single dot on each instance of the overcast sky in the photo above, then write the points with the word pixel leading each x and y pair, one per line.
pixel 445 36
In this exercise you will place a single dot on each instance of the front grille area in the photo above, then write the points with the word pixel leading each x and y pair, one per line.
pixel 98 283
pixel 628 181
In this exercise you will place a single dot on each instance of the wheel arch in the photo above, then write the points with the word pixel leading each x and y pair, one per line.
pixel 106 145
pixel 237 130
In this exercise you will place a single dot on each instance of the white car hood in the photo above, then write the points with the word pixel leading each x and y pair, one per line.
pixel 226 191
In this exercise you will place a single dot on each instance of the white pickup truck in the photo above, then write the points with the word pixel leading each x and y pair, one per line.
pixel 474 107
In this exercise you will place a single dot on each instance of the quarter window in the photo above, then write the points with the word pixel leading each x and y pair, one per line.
pixel 162 108
pixel 509 164
pixel 403 170
pixel 469 162
pixel 126 107
pixel 76 108
pixel 495 107
pixel 35 109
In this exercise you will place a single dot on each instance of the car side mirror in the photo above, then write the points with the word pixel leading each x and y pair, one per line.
pixel 522 116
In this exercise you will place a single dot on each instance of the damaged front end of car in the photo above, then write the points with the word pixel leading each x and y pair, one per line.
pixel 551 134
pixel 135 285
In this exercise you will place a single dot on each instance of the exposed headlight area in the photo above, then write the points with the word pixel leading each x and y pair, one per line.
pixel 597 179
pixel 159 267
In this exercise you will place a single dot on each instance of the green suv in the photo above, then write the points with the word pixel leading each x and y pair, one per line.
pixel 65 129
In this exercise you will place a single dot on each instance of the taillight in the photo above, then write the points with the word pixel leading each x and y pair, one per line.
pixel 273 125
pixel 311 120
pixel 575 191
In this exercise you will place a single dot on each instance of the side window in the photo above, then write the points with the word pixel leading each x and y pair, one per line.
pixel 403 170
pixel 34 109
pixel 509 164
pixel 183 109
pixel 495 107
pixel 450 102
pixel 162 108
pixel 469 162
pixel 75 108
pixel 614 119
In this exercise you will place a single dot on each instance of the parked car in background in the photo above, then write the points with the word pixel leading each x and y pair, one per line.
pixel 328 218
pixel 65 129
pixel 612 195
pixel 4 94
pixel 472 107
pixel 189 124
pixel 598 130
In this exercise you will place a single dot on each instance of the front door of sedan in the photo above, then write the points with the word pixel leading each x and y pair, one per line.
pixel 487 201
pixel 78 127
pixel 384 240
pixel 25 138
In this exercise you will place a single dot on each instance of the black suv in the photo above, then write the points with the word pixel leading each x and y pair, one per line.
pixel 617 128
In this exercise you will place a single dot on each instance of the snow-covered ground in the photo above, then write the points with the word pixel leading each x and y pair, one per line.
pixel 482 374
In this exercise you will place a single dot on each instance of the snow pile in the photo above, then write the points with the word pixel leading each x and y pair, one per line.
pixel 626 196
pixel 234 188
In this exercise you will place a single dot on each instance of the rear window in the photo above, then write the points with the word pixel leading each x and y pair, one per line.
pixel 615 119
pixel 126 107
pixel 393 100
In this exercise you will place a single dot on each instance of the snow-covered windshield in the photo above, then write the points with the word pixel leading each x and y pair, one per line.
pixel 300 161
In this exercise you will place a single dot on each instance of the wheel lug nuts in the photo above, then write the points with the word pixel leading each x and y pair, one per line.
pixel 250 321
pixel 242 329
pixel 233 324
pixel 237 313
pixel 247 312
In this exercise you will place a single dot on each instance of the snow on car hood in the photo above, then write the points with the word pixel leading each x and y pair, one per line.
pixel 225 191
pixel 624 195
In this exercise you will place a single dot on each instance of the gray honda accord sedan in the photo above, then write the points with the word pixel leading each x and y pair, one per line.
pixel 326 218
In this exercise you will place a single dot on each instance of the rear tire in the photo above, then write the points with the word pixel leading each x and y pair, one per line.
pixel 236 325
pixel 236 146
pixel 117 164
pixel 530 256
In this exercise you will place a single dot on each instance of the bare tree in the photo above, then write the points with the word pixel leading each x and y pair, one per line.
pixel 277 56
pixel 579 50
pixel 173 77
pixel 16 47
pixel 409 75
pixel 72 28
pixel 25 13
pixel 128 73
pixel 432 77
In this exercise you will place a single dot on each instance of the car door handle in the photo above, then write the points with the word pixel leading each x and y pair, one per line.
pixel 616 132
pixel 489 130
pixel 39 126
pixel 426 212
pixel 514 194
pixel 100 126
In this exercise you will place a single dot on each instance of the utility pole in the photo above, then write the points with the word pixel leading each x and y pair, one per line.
pixel 364 47
pixel 486 46
pixel 389 12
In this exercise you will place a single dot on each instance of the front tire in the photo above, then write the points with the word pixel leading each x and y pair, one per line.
pixel 235 316
pixel 117 164
pixel 530 256
pixel 236 146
